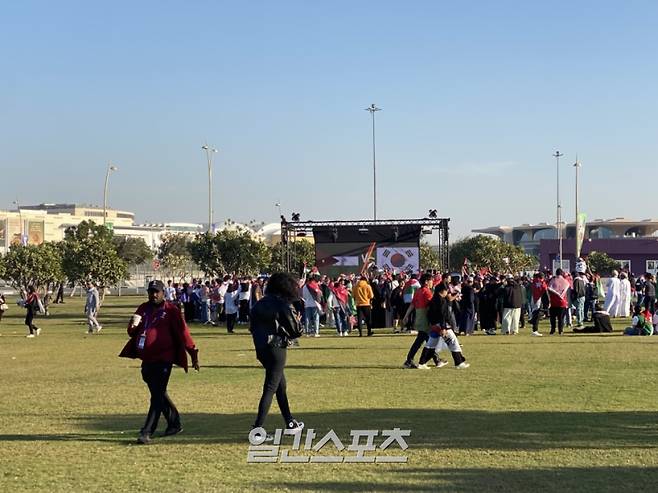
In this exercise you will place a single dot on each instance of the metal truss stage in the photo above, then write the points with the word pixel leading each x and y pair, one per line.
pixel 366 231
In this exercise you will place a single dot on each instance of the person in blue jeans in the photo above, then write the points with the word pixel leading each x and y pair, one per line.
pixel 312 297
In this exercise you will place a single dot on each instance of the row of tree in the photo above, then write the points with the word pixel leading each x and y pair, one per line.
pixel 92 252
pixel 478 252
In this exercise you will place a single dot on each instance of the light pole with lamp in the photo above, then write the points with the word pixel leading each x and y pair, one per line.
pixel 209 155
pixel 372 109
pixel 557 157
pixel 577 166
pixel 110 168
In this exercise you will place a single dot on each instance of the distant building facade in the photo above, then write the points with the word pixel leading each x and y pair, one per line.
pixel 36 224
pixel 633 243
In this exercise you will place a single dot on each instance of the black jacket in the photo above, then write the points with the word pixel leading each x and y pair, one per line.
pixel 438 312
pixel 513 295
pixel 272 316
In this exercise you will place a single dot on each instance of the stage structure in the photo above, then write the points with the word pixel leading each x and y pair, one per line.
pixel 355 246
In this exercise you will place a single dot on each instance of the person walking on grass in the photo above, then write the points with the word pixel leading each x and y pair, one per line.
pixel 441 334
pixel 420 303
pixel 92 305
pixel 32 304
pixel 274 323
pixel 159 337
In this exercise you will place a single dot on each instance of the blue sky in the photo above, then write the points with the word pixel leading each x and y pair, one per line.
pixel 476 96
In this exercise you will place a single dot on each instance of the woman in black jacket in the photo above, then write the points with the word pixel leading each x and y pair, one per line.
pixel 275 322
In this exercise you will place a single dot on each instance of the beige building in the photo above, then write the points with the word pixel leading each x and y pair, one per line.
pixel 34 224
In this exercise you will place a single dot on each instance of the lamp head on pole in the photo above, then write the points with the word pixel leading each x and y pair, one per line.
pixel 558 154
pixel 113 168
pixel 577 163
pixel 208 149
pixel 372 108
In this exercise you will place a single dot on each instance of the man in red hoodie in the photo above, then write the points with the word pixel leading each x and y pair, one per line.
pixel 160 338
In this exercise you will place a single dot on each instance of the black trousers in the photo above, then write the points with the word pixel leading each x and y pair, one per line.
pixel 188 308
pixel 230 321
pixel 363 312
pixel 29 320
pixel 273 360
pixel 650 303
pixel 156 377
pixel 421 338
pixel 243 311
pixel 534 320
pixel 556 313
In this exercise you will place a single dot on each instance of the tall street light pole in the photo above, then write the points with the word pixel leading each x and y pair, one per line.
pixel 577 166
pixel 557 157
pixel 110 168
pixel 209 155
pixel 372 108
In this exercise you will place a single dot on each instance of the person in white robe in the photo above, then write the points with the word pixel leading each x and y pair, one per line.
pixel 624 295
pixel 612 295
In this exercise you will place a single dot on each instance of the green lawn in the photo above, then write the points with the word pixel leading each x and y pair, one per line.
pixel 570 413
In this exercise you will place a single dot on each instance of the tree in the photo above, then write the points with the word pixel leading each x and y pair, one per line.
pixel 204 250
pixel 229 251
pixel 301 252
pixel 133 251
pixel 486 251
pixel 33 265
pixel 90 255
pixel 174 254
pixel 429 257
pixel 601 263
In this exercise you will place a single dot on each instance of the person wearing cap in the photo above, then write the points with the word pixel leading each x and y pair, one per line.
pixel 160 338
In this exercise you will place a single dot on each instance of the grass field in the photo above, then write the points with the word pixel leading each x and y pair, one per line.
pixel 570 413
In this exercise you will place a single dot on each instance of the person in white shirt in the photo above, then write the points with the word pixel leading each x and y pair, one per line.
pixel 244 294
pixel 231 307
pixel 170 292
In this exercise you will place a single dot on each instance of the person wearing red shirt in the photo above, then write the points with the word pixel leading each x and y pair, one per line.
pixel 558 289
pixel 420 303
pixel 160 338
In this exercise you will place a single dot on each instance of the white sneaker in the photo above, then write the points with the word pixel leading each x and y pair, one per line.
pixel 29 336
pixel 424 367
pixel 38 331
pixel 462 366
pixel 536 334
pixel 441 363
pixel 295 425
pixel 100 327
pixel 316 335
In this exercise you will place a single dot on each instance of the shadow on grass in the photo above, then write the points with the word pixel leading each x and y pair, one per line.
pixel 430 428
pixel 563 479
